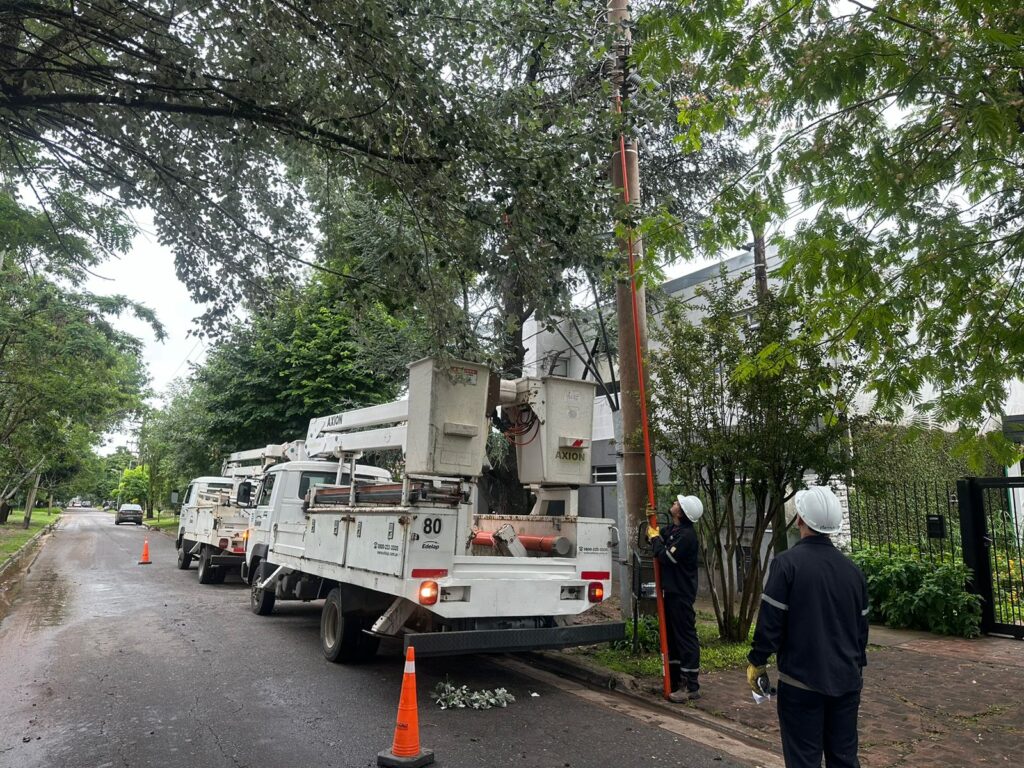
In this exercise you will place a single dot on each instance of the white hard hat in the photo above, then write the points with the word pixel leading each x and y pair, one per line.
pixel 691 506
pixel 820 510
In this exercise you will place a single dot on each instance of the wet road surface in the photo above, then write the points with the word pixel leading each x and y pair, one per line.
pixel 104 662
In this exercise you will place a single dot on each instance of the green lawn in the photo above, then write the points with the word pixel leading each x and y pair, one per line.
pixel 165 522
pixel 13 536
pixel 715 654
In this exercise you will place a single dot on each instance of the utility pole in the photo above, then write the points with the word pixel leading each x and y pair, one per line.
pixel 624 173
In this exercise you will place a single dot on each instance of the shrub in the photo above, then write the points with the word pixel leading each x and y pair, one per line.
pixel 907 592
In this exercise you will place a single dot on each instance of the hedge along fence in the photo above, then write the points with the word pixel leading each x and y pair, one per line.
pixel 908 592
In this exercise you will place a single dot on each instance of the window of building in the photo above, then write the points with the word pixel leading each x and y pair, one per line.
pixel 603 474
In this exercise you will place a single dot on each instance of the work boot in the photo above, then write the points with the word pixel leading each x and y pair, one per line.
pixel 682 696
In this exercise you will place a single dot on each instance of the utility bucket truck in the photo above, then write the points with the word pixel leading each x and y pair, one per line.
pixel 416 559
pixel 213 528
pixel 210 529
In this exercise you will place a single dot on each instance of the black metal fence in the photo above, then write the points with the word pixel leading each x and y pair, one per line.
pixel 918 518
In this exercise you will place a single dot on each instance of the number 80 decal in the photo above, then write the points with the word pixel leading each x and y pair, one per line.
pixel 432 526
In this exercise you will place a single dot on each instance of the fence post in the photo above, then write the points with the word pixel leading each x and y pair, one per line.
pixel 975 543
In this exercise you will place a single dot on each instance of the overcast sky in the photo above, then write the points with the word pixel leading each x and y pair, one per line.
pixel 146 274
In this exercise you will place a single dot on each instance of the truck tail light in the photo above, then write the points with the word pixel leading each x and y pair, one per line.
pixel 595 592
pixel 428 592
pixel 223 543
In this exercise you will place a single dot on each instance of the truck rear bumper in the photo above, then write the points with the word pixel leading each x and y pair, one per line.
pixel 506 640
pixel 223 558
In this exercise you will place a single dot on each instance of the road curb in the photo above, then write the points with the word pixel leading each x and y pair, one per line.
pixel 594 675
pixel 13 558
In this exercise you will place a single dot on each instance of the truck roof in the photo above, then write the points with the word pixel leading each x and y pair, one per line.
pixel 211 479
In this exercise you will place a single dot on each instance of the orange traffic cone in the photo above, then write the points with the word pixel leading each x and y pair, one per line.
pixel 144 560
pixel 405 751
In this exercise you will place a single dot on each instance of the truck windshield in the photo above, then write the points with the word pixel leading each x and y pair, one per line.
pixel 314 480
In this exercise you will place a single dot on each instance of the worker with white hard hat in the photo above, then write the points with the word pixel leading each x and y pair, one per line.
pixel 814 617
pixel 678 550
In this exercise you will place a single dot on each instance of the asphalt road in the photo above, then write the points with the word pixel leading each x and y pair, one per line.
pixel 104 662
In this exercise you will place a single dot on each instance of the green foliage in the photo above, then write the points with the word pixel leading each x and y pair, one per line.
pixel 908 592
pixel 134 486
pixel 897 126
pixel 449 696
pixel 715 653
pixel 888 453
pixel 741 414
pixel 66 373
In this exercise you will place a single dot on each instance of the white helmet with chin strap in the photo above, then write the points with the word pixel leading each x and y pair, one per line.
pixel 691 506
pixel 819 508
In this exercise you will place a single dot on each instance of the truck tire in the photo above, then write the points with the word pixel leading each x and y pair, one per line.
pixel 341 634
pixel 261 601
pixel 184 558
pixel 207 573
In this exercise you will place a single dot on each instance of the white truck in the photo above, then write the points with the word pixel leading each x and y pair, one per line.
pixel 211 529
pixel 416 559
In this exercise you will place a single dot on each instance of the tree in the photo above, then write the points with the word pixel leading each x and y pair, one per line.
pixel 741 415
pixel 66 374
pixel 900 126
pixel 134 485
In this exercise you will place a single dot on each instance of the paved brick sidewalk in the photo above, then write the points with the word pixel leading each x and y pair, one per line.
pixel 928 701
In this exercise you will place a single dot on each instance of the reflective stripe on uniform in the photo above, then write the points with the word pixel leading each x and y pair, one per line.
pixel 684 669
pixel 773 601
pixel 865 611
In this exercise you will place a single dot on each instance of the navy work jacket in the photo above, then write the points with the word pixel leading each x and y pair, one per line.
pixel 814 616
pixel 677 551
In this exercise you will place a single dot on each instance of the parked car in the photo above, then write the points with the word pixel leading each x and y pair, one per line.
pixel 128 513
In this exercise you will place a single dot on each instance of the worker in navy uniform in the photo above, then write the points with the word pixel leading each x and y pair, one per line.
pixel 813 616
pixel 677 550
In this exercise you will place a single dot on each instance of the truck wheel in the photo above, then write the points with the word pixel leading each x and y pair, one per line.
pixel 207 573
pixel 184 558
pixel 341 634
pixel 261 601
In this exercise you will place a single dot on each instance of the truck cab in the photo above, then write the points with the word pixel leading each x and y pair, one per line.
pixel 278 516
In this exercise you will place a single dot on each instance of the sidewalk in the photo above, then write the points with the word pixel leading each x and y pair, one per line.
pixel 927 701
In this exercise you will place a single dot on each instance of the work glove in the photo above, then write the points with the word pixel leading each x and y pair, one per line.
pixel 757 678
pixel 652 533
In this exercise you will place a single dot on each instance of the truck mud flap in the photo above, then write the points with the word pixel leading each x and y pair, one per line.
pixel 507 640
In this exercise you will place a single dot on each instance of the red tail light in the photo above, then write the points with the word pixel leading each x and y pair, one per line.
pixel 595 592
pixel 428 592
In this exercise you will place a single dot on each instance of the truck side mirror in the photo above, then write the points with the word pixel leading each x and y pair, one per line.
pixel 244 494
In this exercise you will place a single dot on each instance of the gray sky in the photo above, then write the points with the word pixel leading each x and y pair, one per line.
pixel 146 274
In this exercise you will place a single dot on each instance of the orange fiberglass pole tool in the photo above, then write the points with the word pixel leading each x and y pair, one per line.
pixel 652 516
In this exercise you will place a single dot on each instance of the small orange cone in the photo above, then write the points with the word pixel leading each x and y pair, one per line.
pixel 405 751
pixel 144 560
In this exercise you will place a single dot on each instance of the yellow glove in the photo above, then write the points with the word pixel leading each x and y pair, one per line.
pixel 652 532
pixel 757 678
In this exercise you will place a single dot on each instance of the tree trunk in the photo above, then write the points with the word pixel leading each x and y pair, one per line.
pixel 5 511
pixel 31 501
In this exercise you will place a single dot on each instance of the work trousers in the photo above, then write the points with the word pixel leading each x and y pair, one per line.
pixel 813 724
pixel 683 646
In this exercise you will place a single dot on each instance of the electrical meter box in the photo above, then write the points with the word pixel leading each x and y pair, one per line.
pixel 555 450
pixel 447 426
